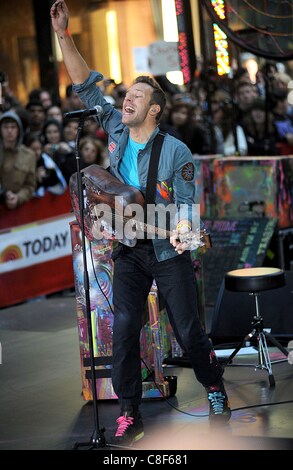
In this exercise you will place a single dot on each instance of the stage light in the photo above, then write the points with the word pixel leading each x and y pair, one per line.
pixel 113 44
pixel 170 34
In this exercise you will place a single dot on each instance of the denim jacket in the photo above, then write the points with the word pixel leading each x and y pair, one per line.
pixel 176 183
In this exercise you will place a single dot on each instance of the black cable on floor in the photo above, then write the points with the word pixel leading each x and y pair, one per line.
pixel 263 404
pixel 204 415
pixel 155 383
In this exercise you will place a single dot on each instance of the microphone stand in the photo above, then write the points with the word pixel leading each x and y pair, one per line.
pixel 97 439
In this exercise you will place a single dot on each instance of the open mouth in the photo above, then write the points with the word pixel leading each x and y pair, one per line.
pixel 129 110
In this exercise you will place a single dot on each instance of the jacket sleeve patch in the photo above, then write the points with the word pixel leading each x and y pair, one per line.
pixel 187 171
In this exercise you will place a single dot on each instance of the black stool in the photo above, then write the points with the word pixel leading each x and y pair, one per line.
pixel 253 281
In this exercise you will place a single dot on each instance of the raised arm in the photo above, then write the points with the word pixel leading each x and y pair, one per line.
pixel 76 66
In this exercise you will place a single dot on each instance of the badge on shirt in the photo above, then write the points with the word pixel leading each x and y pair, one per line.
pixel 187 171
pixel 111 147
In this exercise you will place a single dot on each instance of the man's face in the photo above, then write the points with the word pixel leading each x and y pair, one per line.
pixel 37 114
pixel 9 132
pixel 136 104
pixel 70 130
pixel 246 94
pixel 180 116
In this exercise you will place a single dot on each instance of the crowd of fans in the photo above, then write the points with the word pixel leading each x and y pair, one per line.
pixel 213 116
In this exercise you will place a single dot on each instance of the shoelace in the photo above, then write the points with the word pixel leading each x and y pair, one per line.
pixel 123 423
pixel 217 400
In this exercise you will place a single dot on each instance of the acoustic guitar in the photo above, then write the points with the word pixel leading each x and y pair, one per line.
pixel 108 200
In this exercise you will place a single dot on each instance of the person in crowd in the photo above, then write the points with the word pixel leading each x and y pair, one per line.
pixel 56 146
pixel 37 117
pixel 43 95
pixel 72 100
pixel 53 138
pixel 260 83
pixel 269 69
pixel 118 93
pixel 17 163
pixel 282 121
pixel 181 119
pixel 240 76
pixel 49 176
pixel 70 128
pixel 132 134
pixel 282 82
pixel 259 129
pixel 54 112
pixel 165 123
pixel 230 135
pixel 245 93
pixel 203 138
pixel 92 151
pixel 7 99
pixel 91 127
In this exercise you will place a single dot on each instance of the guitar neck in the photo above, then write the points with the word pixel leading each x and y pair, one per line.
pixel 152 230
pixel 205 239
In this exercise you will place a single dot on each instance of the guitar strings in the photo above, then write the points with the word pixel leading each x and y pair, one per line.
pixel 145 227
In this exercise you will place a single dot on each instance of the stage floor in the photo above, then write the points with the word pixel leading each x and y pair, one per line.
pixel 41 406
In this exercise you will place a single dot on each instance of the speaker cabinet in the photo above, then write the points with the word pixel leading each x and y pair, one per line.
pixel 234 312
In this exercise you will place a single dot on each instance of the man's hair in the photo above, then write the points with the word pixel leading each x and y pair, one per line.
pixel 34 102
pixel 158 95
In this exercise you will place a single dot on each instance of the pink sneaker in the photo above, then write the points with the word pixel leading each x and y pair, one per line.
pixel 130 428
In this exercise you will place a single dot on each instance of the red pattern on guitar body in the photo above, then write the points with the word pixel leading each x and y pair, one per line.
pixel 101 188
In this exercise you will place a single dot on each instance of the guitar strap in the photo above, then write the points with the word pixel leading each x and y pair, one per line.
pixel 153 170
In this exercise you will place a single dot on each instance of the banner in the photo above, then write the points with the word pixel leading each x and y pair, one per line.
pixel 35 259
pixel 27 245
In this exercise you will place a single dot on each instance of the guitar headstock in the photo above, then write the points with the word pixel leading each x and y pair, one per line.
pixel 206 239
pixel 198 239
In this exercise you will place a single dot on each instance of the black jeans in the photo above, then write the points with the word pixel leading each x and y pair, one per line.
pixel 134 271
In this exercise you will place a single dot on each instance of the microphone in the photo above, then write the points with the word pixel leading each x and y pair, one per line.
pixel 254 203
pixel 251 205
pixel 95 111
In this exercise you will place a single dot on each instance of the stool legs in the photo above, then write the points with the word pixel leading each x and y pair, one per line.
pixel 264 361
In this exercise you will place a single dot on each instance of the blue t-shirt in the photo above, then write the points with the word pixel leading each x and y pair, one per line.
pixel 128 165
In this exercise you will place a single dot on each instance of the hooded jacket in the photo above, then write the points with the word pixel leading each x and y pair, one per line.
pixel 18 164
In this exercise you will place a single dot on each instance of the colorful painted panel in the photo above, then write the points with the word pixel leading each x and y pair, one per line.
pixel 204 171
pixel 100 273
pixel 254 187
